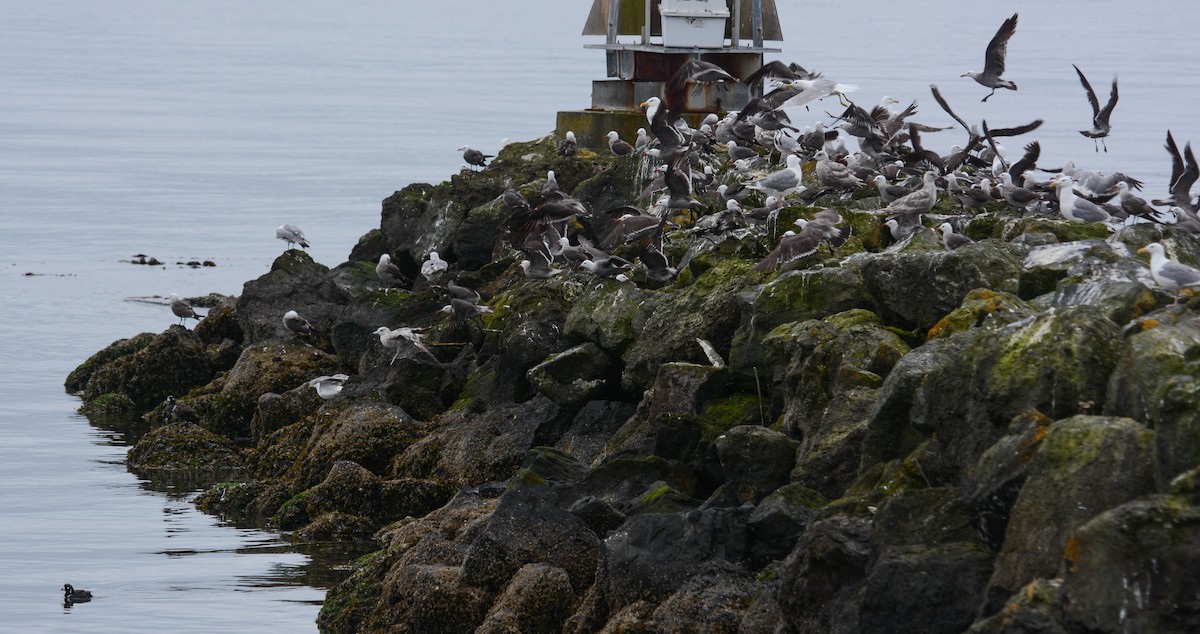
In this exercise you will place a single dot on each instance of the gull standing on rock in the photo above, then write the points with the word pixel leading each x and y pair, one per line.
pixel 474 157
pixel 833 174
pixel 618 147
pixel 568 145
pixel 388 272
pixel 1168 273
pixel 782 182
pixel 393 339
pixel 950 239
pixel 297 324
pixel 182 308
pixel 292 235
pixel 328 387
pixel 993 59
pixel 433 267
pixel 1073 207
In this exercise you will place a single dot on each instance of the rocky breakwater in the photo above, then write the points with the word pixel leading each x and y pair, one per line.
pixel 882 437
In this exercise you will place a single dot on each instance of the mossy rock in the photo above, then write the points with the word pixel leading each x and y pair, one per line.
pixel 183 446
pixel 112 403
pixel 172 362
pixel 271 366
pixel 1084 466
pixel 220 323
pixel 78 379
pixel 229 499
pixel 979 305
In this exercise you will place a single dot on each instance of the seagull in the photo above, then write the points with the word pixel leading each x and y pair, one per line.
pixel 888 192
pixel 389 273
pixel 1136 206
pixel 1018 197
pixel 536 266
pixel 474 157
pixel 182 308
pixel 297 324
pixel 462 292
pixel 292 235
pixel 551 188
pixel 950 239
pixel 782 182
pixel 642 141
pixel 71 595
pixel 618 147
pixel 568 145
pixel 1184 172
pixel 903 225
pixel 392 339
pixel 792 246
pixel 1100 125
pixel 920 201
pixel 328 387
pixel 833 174
pixel 737 152
pixel 463 309
pixel 993 59
pixel 1073 207
pixel 1168 273
pixel 432 268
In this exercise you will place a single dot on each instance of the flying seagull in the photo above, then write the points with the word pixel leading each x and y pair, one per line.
pixel 182 308
pixel 1100 125
pixel 993 59
pixel 1168 273
pixel 292 235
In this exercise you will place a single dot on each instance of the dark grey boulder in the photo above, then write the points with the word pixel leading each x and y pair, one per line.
pixel 1085 466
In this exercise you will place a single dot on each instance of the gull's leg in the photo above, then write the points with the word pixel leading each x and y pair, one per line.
pixel 989 95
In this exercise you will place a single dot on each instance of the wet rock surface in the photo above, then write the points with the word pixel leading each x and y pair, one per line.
pixel 887 437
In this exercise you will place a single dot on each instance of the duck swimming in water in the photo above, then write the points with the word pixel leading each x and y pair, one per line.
pixel 71 595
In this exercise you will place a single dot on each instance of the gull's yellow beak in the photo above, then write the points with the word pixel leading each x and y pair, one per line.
pixel 1142 250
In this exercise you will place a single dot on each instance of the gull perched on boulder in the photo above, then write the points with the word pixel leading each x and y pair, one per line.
pixel 292 235
pixel 328 387
pixel 394 339
pixel 388 272
pixel 297 324
pixel 432 268
pixel 182 308
pixel 1168 273
pixel 782 182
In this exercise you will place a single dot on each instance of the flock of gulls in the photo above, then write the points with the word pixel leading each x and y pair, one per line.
pixel 737 172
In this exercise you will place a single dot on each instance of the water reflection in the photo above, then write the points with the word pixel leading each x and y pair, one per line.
pixel 317 565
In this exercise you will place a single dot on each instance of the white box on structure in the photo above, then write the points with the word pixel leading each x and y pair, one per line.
pixel 687 28
pixel 711 6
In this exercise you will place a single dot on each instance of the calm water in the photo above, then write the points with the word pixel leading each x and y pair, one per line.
pixel 191 130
